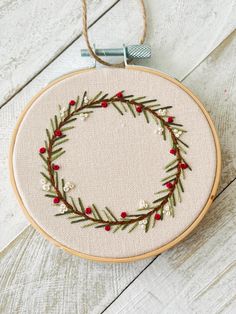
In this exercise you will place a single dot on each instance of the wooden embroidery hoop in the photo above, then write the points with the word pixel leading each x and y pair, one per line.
pixel 153 252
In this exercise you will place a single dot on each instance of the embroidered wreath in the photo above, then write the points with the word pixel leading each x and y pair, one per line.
pixel 147 214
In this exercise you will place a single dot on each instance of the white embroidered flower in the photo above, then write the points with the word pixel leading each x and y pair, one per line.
pixel 166 209
pixel 83 116
pixel 68 186
pixel 160 130
pixel 46 187
pixel 86 100
pixel 143 204
pixel 63 208
pixel 63 112
pixel 178 134
pixel 142 223
pixel 71 186
pixel 66 189
pixel 162 112
pixel 43 181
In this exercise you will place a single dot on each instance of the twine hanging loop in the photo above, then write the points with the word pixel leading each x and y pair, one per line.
pixel 89 46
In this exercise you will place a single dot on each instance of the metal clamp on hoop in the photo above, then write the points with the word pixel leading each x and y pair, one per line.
pixel 128 52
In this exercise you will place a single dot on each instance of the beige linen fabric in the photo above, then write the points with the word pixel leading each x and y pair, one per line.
pixel 114 161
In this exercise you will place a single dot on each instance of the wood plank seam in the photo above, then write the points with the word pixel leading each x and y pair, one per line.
pixel 92 25
pixel 95 31
pixel 214 280
pixel 231 180
pixel 58 55
pixel 181 80
pixel 221 192
pixel 136 277
pixel 130 283
pixel 212 51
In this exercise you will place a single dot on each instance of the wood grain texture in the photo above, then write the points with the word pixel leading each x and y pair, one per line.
pixel 214 81
pixel 183 33
pixel 198 276
pixel 12 221
pixel 38 31
pixel 184 232
pixel 179 29
pixel 36 277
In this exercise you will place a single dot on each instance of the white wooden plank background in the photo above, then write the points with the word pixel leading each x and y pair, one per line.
pixel 50 27
pixel 12 221
pixel 36 277
pixel 199 275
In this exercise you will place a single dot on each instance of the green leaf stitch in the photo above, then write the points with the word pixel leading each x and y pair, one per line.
pixel 168 196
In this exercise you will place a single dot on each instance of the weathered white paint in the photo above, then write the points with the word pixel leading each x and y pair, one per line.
pixel 12 221
pixel 33 33
pixel 198 276
pixel 214 81
pixel 35 276
pixel 41 30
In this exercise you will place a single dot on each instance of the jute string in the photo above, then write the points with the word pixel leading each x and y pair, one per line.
pixel 85 33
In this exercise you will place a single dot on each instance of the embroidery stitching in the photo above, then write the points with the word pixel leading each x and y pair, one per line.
pixel 57 189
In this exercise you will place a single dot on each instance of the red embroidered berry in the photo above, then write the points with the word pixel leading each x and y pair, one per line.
pixel 42 150
pixel 172 151
pixel 170 119
pixel 169 185
pixel 72 103
pixel 56 200
pixel 104 104
pixel 107 228
pixel 183 166
pixel 88 210
pixel 157 216
pixel 139 109
pixel 123 215
pixel 58 133
pixel 55 167
pixel 119 95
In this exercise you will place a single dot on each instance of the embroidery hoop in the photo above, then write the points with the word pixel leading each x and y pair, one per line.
pixel 127 67
pixel 153 252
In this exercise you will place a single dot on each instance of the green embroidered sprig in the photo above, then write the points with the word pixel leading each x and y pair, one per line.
pixel 147 215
